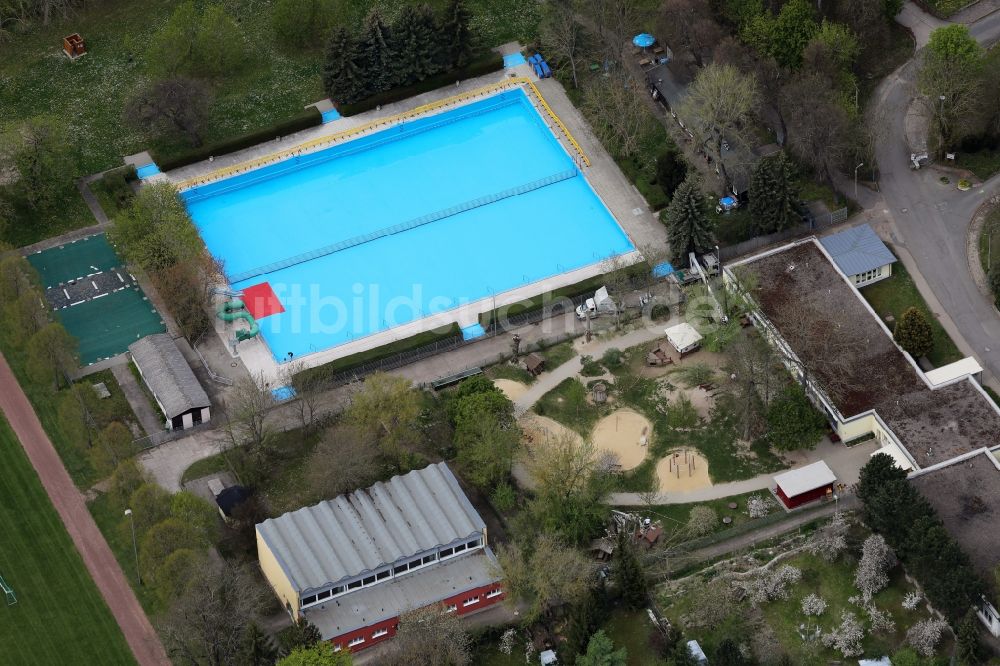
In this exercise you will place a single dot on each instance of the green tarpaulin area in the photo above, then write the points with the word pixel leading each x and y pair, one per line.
pixel 74 260
pixel 106 325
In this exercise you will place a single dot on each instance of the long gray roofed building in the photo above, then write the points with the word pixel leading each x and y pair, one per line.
pixel 372 527
pixel 173 384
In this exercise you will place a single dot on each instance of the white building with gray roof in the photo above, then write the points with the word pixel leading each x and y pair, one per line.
pixel 859 254
pixel 353 564
pixel 176 390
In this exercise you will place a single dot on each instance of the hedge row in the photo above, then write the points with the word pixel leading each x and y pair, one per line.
pixel 589 285
pixel 167 161
pixel 485 64
pixel 327 371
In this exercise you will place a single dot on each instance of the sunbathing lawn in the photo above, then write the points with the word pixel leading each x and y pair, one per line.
pixel 897 293
pixel 60 616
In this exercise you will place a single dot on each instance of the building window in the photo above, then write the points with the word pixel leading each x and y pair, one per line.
pixel 447 552
pixel 368 581
pixel 338 590
pixel 401 569
pixel 354 585
pixel 325 594
pixel 451 608
pixel 380 633
pixel 356 641
pixel 429 558
pixel 311 599
pixel 494 593
pixel 475 543
pixel 469 602
pixel 382 575
pixel 460 547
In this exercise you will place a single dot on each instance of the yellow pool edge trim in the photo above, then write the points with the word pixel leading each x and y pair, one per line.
pixel 325 141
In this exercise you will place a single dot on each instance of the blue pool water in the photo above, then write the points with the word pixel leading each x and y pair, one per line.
pixel 479 200
pixel 146 171
pixel 513 60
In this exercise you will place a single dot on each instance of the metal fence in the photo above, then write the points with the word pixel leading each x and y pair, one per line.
pixel 810 225
pixel 404 226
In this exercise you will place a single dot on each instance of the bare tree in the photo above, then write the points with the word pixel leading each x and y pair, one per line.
pixel 308 390
pixel 616 110
pixel 246 413
pixel 344 460
pixel 177 106
pixel 689 25
pixel 718 109
pixel 756 377
pixel 549 576
pixel 207 624
pixel 819 131
pixel 562 34
pixel 429 636
pixel 616 20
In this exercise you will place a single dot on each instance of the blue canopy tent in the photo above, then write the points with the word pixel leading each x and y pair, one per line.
pixel 644 40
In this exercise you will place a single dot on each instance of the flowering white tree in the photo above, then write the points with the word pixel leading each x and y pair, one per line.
pixel 846 638
pixel 911 600
pixel 768 586
pixel 813 604
pixel 702 520
pixel 925 635
pixel 759 506
pixel 507 641
pixel 830 540
pixel 881 620
pixel 872 574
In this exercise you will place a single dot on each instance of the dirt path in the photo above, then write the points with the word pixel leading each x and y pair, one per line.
pixel 72 510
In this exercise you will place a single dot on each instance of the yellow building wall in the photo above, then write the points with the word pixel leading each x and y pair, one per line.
pixel 862 426
pixel 276 577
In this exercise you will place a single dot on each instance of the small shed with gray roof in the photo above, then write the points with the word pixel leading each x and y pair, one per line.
pixel 166 372
pixel 860 254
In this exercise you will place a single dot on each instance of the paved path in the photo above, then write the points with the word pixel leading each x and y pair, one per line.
pixel 137 400
pixel 596 347
pixel 72 510
pixel 844 462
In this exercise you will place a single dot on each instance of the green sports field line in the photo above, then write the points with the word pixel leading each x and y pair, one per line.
pixel 106 326
pixel 72 260
pixel 60 616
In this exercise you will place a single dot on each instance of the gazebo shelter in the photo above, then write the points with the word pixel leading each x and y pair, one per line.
pixel 805 484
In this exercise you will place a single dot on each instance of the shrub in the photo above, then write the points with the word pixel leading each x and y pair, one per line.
pixel 504 497
pixel 612 358
pixel 168 160
pixel 913 333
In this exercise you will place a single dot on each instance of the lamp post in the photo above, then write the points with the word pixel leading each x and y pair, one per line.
pixel 135 550
pixel 856 179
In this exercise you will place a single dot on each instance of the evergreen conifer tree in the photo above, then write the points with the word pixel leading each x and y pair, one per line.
pixel 414 34
pixel 378 47
pixel 968 649
pixel 688 228
pixel 628 570
pixel 455 35
pixel 258 650
pixel 773 195
pixel 344 76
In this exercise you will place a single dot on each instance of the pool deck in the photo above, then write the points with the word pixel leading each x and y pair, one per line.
pixel 625 203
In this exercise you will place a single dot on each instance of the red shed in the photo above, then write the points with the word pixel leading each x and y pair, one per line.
pixel 805 484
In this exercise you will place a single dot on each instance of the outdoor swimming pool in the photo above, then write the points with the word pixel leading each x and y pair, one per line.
pixel 413 220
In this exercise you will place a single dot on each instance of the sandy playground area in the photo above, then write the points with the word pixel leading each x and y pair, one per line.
pixel 512 389
pixel 626 433
pixel 541 428
pixel 683 469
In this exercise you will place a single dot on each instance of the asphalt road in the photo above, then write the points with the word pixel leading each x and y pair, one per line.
pixel 930 219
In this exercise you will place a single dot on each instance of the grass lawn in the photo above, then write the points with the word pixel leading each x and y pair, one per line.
pixel 204 467
pixel 676 515
pixel 567 403
pixel 896 294
pixel 60 616
pixel 558 354
pixel 991 227
pixel 512 372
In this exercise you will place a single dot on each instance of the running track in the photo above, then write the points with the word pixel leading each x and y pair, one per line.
pixel 73 511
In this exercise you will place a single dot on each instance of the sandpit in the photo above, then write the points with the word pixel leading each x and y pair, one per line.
pixel 537 428
pixel 625 433
pixel 512 389
pixel 683 469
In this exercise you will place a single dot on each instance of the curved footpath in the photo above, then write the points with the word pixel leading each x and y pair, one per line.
pixel 72 509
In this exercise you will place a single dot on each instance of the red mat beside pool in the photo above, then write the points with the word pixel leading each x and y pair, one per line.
pixel 261 301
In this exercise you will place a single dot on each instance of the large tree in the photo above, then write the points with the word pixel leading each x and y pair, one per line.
pixel 52 355
pixel 414 33
pixel 155 232
pixel 628 573
pixel 387 409
pixel 321 654
pixel 819 129
pixel 615 108
pixel 601 652
pixel 344 69
pixel 949 80
pixel 455 34
pixel 689 25
pixel 40 160
pixel 379 52
pixel 357 464
pixel 221 48
pixel 429 636
pixel 207 624
pixel 719 107
pixel 302 23
pixel 671 170
pixel 563 35
pixel 793 422
pixel 773 195
pixel 172 107
pixel 548 574
pixel 688 226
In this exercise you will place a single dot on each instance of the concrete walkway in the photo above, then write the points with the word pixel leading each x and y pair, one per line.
pixel 919 22
pixel 844 462
pixel 137 400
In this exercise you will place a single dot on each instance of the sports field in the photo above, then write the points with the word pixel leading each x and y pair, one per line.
pixel 95 298
pixel 60 617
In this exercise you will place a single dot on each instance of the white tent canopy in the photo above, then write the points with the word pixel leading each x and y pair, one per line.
pixel 802 480
pixel 683 337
